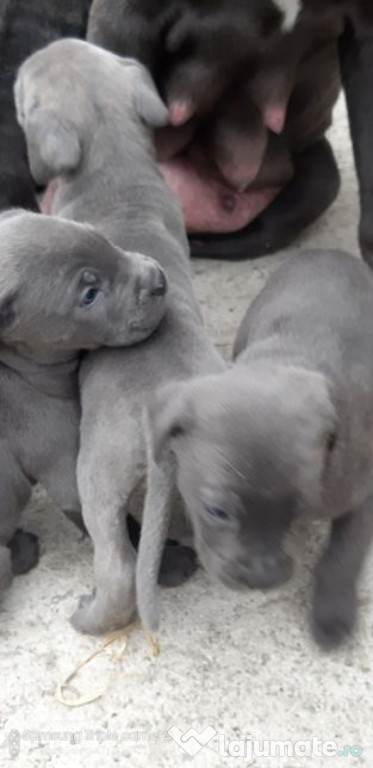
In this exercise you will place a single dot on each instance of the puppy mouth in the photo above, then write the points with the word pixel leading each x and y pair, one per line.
pixel 141 329
pixel 237 577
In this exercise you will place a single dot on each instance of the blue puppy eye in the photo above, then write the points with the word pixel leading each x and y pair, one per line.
pixel 89 296
pixel 217 514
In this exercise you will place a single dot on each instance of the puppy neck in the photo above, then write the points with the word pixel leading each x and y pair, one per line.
pixel 55 376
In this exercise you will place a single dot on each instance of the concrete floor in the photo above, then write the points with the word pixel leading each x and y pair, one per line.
pixel 243 664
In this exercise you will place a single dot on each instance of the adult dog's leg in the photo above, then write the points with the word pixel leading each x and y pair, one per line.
pixel 356 56
pixel 311 191
pixel 24 27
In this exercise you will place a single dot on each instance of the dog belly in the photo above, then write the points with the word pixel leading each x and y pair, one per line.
pixel 207 203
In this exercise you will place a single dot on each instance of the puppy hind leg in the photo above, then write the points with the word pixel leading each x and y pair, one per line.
pixel 336 576
pixel 104 495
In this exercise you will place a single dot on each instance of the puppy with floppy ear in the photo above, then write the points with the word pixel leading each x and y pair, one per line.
pixel 55 138
pixel 118 188
pixel 282 438
pixel 234 75
pixel 64 289
pixel 226 431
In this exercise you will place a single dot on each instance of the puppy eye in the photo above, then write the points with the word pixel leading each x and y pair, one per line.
pixel 216 513
pixel 89 296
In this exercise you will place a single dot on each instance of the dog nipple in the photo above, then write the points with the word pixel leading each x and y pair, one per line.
pixel 180 111
pixel 228 202
pixel 274 117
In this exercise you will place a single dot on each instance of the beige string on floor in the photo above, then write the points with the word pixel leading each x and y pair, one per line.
pixel 79 700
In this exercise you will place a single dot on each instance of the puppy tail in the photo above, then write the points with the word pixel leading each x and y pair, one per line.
pixel 156 517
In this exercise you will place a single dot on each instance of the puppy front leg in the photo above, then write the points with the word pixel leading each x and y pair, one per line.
pixel 104 492
pixel 356 56
pixel 335 598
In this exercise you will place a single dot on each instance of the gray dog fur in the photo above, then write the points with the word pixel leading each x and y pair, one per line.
pixel 86 115
pixel 48 267
pixel 284 436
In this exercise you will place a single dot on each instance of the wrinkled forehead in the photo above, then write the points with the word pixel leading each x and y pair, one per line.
pixel 27 234
pixel 237 443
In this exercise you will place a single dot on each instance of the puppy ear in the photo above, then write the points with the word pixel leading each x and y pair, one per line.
pixel 52 144
pixel 317 431
pixel 148 103
pixel 170 417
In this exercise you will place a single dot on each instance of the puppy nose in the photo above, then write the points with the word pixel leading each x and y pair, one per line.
pixel 151 282
pixel 268 571
pixel 159 284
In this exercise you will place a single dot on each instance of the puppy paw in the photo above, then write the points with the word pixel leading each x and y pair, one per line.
pixel 177 566
pixel 25 551
pixel 93 616
pixel 333 620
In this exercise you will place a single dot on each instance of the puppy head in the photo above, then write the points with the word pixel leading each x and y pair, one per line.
pixel 63 287
pixel 66 91
pixel 251 450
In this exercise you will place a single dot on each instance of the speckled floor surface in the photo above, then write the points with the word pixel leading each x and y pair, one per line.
pixel 241 664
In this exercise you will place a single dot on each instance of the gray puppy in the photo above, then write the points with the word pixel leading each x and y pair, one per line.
pixel 85 114
pixel 63 288
pixel 284 436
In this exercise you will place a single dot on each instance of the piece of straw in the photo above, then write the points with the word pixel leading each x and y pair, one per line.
pixel 116 655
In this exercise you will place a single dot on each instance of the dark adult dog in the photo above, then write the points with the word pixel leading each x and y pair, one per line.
pixel 229 30
pixel 24 27
pixel 198 53
pixel 261 92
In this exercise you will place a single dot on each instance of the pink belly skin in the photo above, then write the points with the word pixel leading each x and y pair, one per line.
pixel 208 205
